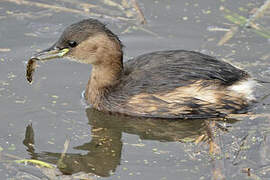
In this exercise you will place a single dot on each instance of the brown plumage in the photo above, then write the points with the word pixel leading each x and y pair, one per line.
pixel 162 84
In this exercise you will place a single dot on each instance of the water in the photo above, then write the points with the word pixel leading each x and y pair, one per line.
pixel 112 147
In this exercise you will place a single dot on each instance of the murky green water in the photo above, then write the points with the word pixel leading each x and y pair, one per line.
pixel 111 147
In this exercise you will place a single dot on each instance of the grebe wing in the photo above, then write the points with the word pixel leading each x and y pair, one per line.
pixel 165 70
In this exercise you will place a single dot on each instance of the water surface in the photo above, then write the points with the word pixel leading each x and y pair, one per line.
pixel 111 147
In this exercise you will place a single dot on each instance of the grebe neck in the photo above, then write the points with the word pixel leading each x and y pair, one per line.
pixel 103 78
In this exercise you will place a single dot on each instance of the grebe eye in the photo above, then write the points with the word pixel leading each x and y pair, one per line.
pixel 72 43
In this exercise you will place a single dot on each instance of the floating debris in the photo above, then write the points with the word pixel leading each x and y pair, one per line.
pixel 215 28
pixel 60 162
pixel 259 13
pixel 139 11
pixel 228 35
pixel 113 4
pixel 5 49
pixel 242 21
pixel 36 162
pixel 69 10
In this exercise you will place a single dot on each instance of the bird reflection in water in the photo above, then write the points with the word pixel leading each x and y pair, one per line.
pixel 104 150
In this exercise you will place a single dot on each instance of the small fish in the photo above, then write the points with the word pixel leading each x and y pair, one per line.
pixel 45 55
pixel 30 69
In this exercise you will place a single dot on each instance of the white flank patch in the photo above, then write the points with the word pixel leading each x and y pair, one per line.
pixel 245 87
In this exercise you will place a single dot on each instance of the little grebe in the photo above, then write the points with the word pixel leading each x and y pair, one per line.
pixel 162 84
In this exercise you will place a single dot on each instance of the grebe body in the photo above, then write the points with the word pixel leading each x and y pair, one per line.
pixel 162 84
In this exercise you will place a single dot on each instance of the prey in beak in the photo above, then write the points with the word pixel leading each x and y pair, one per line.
pixel 45 55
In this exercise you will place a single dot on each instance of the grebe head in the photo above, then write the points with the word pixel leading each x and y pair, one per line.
pixel 88 41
